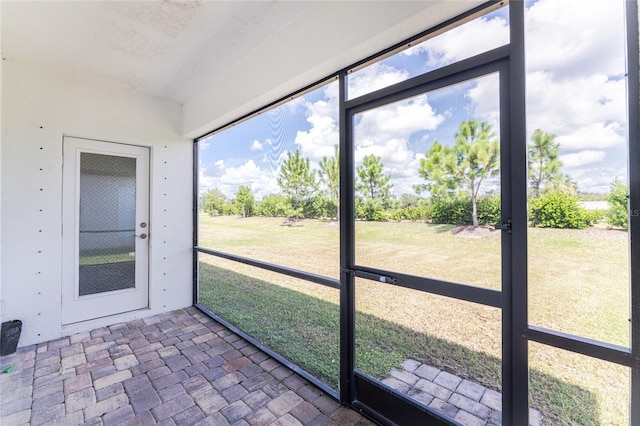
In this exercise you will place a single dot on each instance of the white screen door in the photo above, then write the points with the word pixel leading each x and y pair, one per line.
pixel 105 229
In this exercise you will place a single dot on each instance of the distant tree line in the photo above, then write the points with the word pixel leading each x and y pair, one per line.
pixel 453 179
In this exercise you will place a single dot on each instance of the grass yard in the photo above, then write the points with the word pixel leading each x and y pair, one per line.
pixel 106 258
pixel 578 284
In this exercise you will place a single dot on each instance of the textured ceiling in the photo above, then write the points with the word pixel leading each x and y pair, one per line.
pixel 163 49
pixel 219 59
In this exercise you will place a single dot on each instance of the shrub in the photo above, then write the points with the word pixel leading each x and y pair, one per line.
pixel 274 206
pixel 454 211
pixel 374 211
pixel 396 215
pixel 618 204
pixel 458 211
pixel 229 209
pixel 245 201
pixel 599 215
pixel 213 202
pixel 411 213
pixel 488 210
pixel 319 207
pixel 556 209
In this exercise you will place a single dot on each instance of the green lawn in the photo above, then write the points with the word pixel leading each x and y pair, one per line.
pixel 106 258
pixel 578 284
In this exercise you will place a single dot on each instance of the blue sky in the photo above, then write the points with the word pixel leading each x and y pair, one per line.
pixel 575 90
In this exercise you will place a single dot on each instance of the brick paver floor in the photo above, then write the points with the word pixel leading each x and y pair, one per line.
pixel 177 368
pixel 466 402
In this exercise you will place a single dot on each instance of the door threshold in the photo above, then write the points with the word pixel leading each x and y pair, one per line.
pixel 106 320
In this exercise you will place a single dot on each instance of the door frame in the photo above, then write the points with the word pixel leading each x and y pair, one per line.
pixel 360 390
pixel 76 308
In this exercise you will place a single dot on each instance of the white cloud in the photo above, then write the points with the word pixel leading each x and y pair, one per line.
pixel 400 162
pixel 596 179
pixel 561 107
pixel 385 132
pixel 575 60
pixel 397 157
pixel 373 77
pixel 322 115
pixel 228 179
pixel 485 97
pixel 582 158
pixel 575 57
pixel 573 39
pixel 574 91
pixel 396 121
pixel 464 41
pixel 204 144
pixel 592 136
pixel 256 145
pixel 294 105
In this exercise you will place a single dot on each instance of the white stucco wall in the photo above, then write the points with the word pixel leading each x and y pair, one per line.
pixel 38 109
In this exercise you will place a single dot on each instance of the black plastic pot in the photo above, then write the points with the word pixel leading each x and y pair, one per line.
pixel 9 336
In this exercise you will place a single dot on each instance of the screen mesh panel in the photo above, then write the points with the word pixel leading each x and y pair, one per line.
pixel 107 223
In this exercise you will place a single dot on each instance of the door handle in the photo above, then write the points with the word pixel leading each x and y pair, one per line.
pixel 141 236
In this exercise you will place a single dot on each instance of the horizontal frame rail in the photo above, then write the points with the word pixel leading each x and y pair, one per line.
pixel 307 276
pixel 298 93
pixel 447 25
pixel 466 69
pixel 392 406
pixel 483 296
pixel 458 20
pixel 582 345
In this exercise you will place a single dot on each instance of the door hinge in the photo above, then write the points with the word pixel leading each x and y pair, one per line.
pixel 504 226
pixel 347 271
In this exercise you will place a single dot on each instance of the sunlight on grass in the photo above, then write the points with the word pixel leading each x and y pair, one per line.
pixel 426 250
pixel 275 311
pixel 453 321
pixel 305 329
pixel 605 383
pixel 273 240
pixel 578 284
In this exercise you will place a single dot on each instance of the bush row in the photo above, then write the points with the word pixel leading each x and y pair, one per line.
pixel 554 209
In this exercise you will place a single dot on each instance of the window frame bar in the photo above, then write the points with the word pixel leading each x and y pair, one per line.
pixel 515 352
pixel 633 111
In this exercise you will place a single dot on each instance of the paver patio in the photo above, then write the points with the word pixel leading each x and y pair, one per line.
pixel 468 403
pixel 177 368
